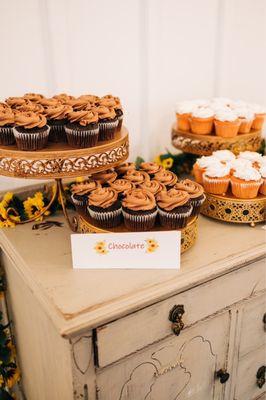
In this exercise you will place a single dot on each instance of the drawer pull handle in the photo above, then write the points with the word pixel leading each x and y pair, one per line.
pixel 175 316
pixel 261 376
pixel 264 321
pixel 222 375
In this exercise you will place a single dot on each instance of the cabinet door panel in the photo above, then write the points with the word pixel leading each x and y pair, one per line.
pixel 178 368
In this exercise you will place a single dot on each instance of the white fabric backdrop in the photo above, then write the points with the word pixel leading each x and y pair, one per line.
pixel 151 53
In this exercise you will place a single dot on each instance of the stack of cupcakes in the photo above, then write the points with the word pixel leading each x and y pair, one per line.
pixel 32 120
pixel 221 116
pixel 139 197
pixel 224 173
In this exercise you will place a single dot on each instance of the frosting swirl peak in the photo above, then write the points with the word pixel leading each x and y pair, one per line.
pixel 103 197
pixel 30 120
pixel 6 117
pixel 139 200
pixel 168 178
pixel 83 118
pixel 172 198
pixel 194 189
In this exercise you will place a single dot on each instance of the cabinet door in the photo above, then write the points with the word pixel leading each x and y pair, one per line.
pixel 178 368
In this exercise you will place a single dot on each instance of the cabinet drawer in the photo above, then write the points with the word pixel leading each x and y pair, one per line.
pixel 246 380
pixel 135 331
pixel 182 367
pixel 252 325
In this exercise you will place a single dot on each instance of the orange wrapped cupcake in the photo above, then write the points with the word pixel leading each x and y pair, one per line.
pixel 246 117
pixel 216 179
pixel 201 165
pixel 260 114
pixel 226 123
pixel 183 113
pixel 262 188
pixel 201 121
pixel 245 183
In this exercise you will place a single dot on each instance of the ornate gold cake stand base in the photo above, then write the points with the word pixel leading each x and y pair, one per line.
pixel 229 209
pixel 204 145
pixel 188 234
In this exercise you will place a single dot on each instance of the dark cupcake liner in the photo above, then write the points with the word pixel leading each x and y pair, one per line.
pixel 106 219
pixel 174 220
pixel 196 205
pixel 6 136
pixel 57 131
pixel 139 222
pixel 29 140
pixel 81 201
pixel 81 138
pixel 107 129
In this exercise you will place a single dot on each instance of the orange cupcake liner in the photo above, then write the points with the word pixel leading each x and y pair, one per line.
pixel 226 128
pixel 262 188
pixel 258 122
pixel 244 189
pixel 216 185
pixel 198 173
pixel 201 126
pixel 245 125
pixel 183 123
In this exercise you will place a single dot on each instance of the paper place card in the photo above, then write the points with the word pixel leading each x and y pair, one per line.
pixel 134 250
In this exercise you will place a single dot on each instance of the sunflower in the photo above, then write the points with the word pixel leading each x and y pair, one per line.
pixel 33 206
pixel 167 163
pixel 4 222
pixel 152 245
pixel 157 160
pixel 13 379
pixel 101 248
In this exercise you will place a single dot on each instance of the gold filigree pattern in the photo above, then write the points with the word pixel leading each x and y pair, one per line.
pixel 229 209
pixel 206 144
pixel 188 234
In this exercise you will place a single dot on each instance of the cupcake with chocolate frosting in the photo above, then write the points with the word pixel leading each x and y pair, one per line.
pixel 31 131
pixel 151 168
pixel 6 126
pixel 80 192
pixel 64 98
pixel 137 177
pixel 57 119
pixel 174 208
pixel 139 210
pixel 121 186
pixel 114 102
pixel 123 168
pixel 15 102
pixel 82 130
pixel 153 186
pixel 104 207
pixel 108 122
pixel 196 194
pixel 105 177
pixel 168 178
pixel 29 106
pixel 34 97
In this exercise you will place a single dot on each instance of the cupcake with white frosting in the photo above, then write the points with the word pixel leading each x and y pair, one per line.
pixel 262 188
pixel 246 117
pixel 226 123
pixel 239 163
pixel 201 165
pixel 260 114
pixel 202 121
pixel 252 156
pixel 245 183
pixel 216 179
pixel 183 113
pixel 224 155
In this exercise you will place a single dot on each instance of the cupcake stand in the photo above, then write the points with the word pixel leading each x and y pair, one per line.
pixel 58 161
pixel 225 208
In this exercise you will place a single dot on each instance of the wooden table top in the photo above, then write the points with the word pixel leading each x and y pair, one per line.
pixel 81 299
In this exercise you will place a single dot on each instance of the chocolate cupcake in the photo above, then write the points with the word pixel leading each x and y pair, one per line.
pixel 105 177
pixel 137 177
pixel 151 168
pixel 174 208
pixel 31 131
pixel 153 186
pixel 80 192
pixel 84 102
pixel 34 97
pixel 122 169
pixel 104 207
pixel 121 186
pixel 82 129
pixel 139 210
pixel 7 120
pixel 15 102
pixel 107 122
pixel 114 102
pixel 28 106
pixel 196 193
pixel 168 178
pixel 57 119
pixel 50 102
pixel 64 98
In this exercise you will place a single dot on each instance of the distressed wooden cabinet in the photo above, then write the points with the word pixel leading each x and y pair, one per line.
pixel 106 335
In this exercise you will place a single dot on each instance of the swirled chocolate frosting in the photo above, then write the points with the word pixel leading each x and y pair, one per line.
pixel 139 200
pixel 83 118
pixel 30 106
pixel 104 112
pixel 84 187
pixel 153 186
pixel 4 106
pixel 194 189
pixel 105 177
pixel 122 185
pixel 137 177
pixel 171 199
pixel 103 197
pixel 125 167
pixel 14 102
pixel 30 120
pixel 168 178
pixel 6 117
pixel 57 112
pixel 150 167
pixel 51 102
pixel 34 97
pixel 64 98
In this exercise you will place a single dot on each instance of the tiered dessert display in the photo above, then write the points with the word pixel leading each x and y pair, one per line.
pixel 235 187
pixel 204 126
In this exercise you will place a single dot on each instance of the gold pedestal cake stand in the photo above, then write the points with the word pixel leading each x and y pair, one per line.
pixel 188 234
pixel 230 209
pixel 204 145
pixel 59 161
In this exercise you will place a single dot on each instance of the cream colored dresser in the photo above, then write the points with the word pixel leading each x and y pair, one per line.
pixel 195 334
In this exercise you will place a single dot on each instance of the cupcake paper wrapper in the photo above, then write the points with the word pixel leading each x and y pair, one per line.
pixel 81 138
pixel 244 190
pixel 107 129
pixel 57 133
pixel 174 220
pixel 31 141
pixel 196 205
pixel 215 186
pixel 106 219
pixel 78 202
pixel 140 222
pixel 6 136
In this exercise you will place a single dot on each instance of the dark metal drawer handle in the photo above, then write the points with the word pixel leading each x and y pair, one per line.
pixel 261 376
pixel 264 321
pixel 175 316
pixel 222 375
